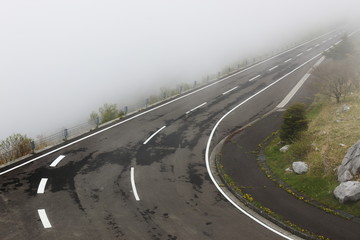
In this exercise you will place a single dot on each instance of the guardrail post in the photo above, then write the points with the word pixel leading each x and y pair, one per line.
pixel 32 144
pixel 195 84
pixel 65 134
pixel 146 103
pixel 164 95
pixel 97 121
pixel 125 110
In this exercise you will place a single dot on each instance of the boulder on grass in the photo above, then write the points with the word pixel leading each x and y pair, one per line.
pixel 284 148
pixel 348 191
pixel 300 167
pixel 350 165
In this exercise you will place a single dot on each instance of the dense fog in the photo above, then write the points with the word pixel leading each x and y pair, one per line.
pixel 60 60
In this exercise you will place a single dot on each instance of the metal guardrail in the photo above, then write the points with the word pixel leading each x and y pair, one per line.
pixel 44 142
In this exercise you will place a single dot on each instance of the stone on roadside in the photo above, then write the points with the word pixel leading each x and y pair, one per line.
pixel 350 165
pixel 288 170
pixel 300 167
pixel 284 148
pixel 348 191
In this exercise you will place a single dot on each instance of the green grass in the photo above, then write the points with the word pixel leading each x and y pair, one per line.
pixel 315 184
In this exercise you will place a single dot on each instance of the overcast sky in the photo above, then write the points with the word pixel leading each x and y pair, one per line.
pixel 60 60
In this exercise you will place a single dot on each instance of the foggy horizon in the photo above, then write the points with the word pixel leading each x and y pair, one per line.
pixel 62 60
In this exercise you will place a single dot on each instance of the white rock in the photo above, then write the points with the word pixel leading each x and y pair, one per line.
pixel 288 170
pixel 284 148
pixel 342 145
pixel 350 165
pixel 300 167
pixel 345 108
pixel 348 191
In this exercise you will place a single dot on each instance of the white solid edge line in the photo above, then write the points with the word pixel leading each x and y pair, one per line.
pixel 252 79
pixel 44 219
pixel 300 54
pixel 196 108
pixel 273 68
pixel 160 106
pixel 147 140
pixel 230 90
pixel 57 160
pixel 288 60
pixel 132 179
pixel 42 185
pixel 207 152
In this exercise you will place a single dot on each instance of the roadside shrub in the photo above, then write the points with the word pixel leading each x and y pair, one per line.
pixel 108 112
pixel 294 122
pixel 13 147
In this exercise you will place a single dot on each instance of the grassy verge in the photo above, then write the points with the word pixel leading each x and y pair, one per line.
pixel 331 132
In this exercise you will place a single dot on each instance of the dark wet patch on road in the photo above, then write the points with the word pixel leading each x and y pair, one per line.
pixel 149 154
pixel 195 176
pixel 113 226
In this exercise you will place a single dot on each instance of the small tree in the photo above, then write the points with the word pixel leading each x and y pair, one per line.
pixel 108 112
pixel 336 79
pixel 294 122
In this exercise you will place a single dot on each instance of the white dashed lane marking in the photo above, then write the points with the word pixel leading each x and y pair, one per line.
pixel 42 185
pixel 196 108
pixel 44 219
pixel 132 179
pixel 273 68
pixel 56 161
pixel 153 135
pixel 254 78
pixel 229 90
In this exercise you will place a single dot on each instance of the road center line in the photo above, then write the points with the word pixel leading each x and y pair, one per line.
pixel 132 178
pixel 338 42
pixel 161 105
pixel 300 54
pixel 230 90
pixel 288 60
pixel 254 78
pixel 42 185
pixel 44 219
pixel 57 160
pixel 317 45
pixel 309 49
pixel 196 108
pixel 273 68
pixel 147 140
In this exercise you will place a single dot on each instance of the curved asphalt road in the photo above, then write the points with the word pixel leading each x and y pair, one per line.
pixel 89 193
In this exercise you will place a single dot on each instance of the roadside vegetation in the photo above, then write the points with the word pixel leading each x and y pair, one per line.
pixel 109 112
pixel 13 147
pixel 333 127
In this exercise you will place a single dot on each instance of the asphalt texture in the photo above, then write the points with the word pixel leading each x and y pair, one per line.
pixel 89 194
pixel 239 159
